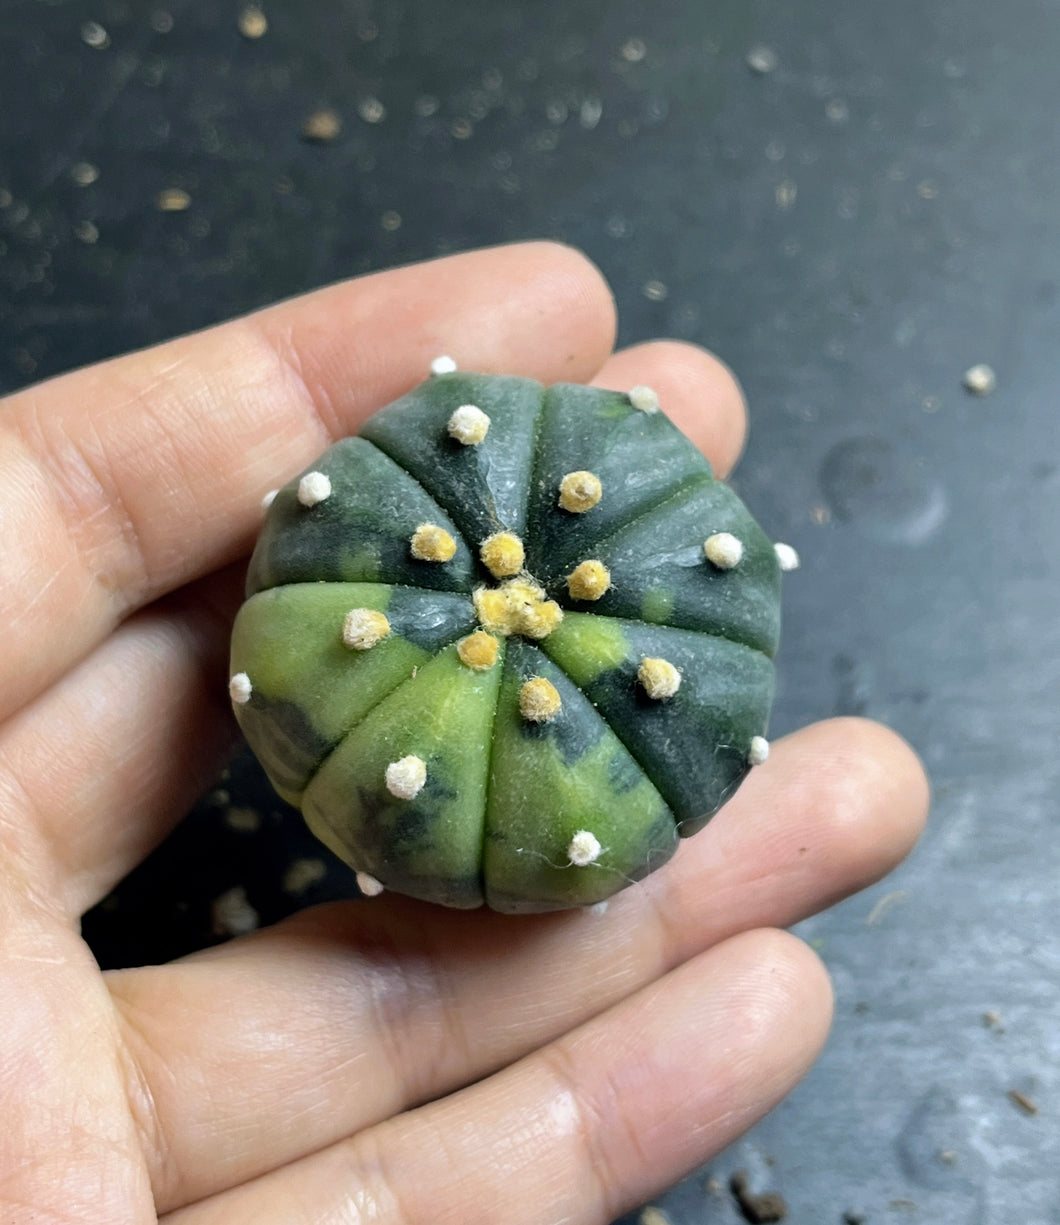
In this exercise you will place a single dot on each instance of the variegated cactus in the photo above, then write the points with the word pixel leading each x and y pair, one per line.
pixel 509 644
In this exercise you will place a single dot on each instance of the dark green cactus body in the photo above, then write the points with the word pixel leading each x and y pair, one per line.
pixel 502 804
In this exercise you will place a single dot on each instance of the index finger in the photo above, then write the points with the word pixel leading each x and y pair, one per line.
pixel 123 481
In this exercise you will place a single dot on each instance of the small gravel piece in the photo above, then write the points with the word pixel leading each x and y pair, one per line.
pixel 980 379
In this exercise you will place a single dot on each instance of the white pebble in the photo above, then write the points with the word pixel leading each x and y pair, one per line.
pixel 597 908
pixel 314 487
pixel 644 398
pixel 269 498
pixel 762 59
pixel 240 688
pixel 469 425
pixel 233 915
pixel 368 885
pixel 584 849
pixel 786 556
pixel 758 751
pixel 980 380
pixel 723 550
pixel 405 778
pixel 443 365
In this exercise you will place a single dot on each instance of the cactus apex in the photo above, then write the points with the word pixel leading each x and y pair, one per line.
pixel 518 606
pixel 443 365
pixel 240 688
pixel 659 678
pixel 580 491
pixel 723 550
pixel 584 849
pixel 405 778
pixel 758 751
pixel 314 488
pixel 469 425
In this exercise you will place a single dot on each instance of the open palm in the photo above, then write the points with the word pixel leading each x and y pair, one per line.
pixel 365 1061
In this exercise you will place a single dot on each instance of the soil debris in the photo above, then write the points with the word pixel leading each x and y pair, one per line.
pixel 757 1207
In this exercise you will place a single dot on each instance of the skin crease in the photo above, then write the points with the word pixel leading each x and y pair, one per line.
pixel 378 1060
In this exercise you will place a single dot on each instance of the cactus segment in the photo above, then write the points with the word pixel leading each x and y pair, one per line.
pixel 658 571
pixel 723 701
pixel 551 780
pixel 483 487
pixel 360 534
pixel 430 845
pixel 639 459
pixel 309 687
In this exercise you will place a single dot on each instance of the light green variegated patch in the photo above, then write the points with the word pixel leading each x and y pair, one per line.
pixel 587 646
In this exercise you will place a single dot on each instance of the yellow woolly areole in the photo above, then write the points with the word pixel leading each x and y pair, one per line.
pixel 580 491
pixel 589 581
pixel 478 650
pixel 363 628
pixel 659 678
pixel 518 606
pixel 539 700
pixel 432 543
pixel 502 554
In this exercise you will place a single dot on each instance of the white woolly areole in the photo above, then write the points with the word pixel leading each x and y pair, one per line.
pixel 723 550
pixel 240 688
pixel 659 677
pixel 405 778
pixel 443 365
pixel 362 628
pixel 584 849
pixel 786 556
pixel 644 398
pixel 269 498
pixel 368 885
pixel 314 487
pixel 759 750
pixel 469 425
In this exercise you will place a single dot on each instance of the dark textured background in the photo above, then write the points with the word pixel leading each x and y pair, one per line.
pixel 851 231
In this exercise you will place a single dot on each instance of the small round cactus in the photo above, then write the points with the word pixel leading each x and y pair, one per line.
pixel 508 645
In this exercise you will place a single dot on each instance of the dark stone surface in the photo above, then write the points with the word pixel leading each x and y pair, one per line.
pixel 850 231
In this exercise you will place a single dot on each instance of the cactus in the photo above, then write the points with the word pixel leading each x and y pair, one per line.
pixel 509 644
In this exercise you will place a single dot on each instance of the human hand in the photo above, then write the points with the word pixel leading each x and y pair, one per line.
pixel 365 1061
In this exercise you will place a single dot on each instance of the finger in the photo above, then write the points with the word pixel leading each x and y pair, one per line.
pixel 431 1000
pixel 586 1127
pixel 697 392
pixel 125 480
pixel 116 751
